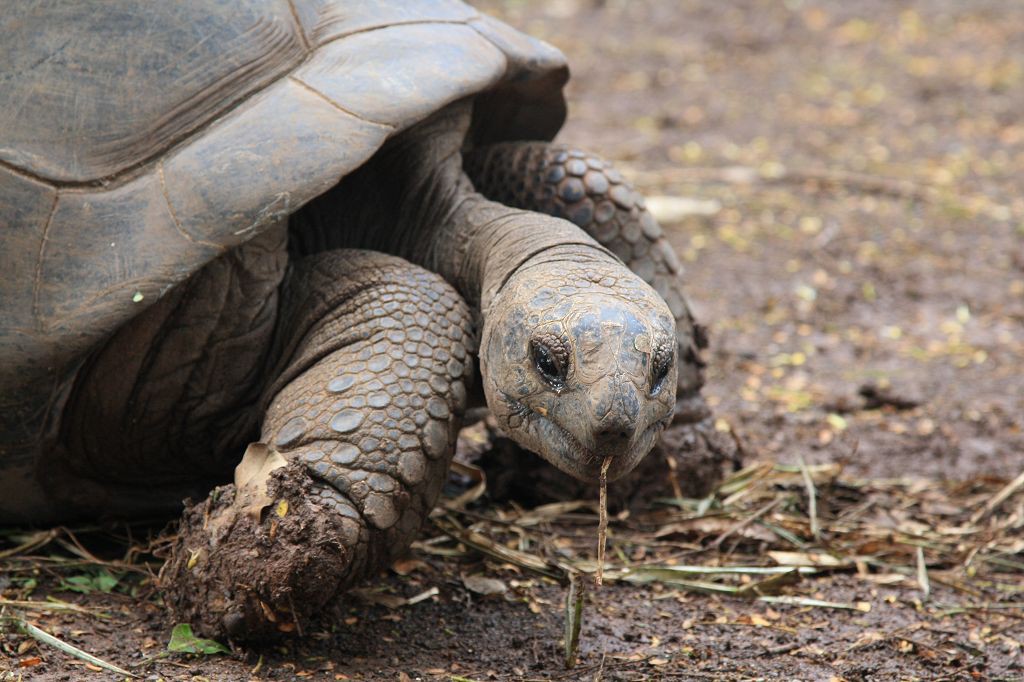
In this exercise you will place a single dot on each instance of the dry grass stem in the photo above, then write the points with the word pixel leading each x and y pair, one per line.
pixel 812 499
pixel 998 499
pixel 602 521
pixel 46 638
pixel 573 617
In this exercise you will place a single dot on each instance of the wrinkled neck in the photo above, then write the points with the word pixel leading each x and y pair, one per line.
pixel 446 226
pixel 413 200
pixel 482 244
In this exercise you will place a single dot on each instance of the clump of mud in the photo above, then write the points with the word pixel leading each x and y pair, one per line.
pixel 246 571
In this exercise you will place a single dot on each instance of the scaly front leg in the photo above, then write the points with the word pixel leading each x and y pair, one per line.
pixel 374 356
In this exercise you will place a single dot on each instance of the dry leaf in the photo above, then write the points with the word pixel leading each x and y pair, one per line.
pixel 408 566
pixel 669 209
pixel 483 585
pixel 819 559
pixel 375 596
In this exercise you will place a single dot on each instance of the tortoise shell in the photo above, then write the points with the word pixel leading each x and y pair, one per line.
pixel 138 141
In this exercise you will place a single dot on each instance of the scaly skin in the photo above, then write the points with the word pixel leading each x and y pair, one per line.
pixel 566 182
pixel 498 257
pixel 577 358
pixel 374 358
pixel 163 410
pixel 373 389
pixel 616 396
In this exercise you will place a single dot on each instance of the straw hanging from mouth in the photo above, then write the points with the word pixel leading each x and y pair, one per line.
pixel 602 520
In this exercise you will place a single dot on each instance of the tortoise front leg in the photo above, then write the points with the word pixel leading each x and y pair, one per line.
pixel 581 187
pixel 375 356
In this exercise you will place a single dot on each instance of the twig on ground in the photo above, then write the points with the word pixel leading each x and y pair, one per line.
pixel 922 575
pixel 573 617
pixel 52 605
pixel 997 499
pixel 745 522
pixel 46 638
pixel 34 541
pixel 812 499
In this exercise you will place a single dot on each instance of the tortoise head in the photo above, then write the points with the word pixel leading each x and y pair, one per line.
pixel 579 364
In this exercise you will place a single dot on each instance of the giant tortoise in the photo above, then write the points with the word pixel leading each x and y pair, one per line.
pixel 254 227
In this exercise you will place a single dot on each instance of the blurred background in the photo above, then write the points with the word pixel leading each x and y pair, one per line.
pixel 843 181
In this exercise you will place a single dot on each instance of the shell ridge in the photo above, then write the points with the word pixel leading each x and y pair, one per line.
pixel 384 27
pixel 174 214
pixel 299 27
pixel 348 112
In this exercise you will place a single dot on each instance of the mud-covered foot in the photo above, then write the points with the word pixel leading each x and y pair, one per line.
pixel 260 560
pixel 359 431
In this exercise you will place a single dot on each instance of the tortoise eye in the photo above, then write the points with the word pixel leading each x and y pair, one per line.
pixel 660 366
pixel 546 361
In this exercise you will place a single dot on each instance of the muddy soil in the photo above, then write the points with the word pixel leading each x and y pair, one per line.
pixel 858 255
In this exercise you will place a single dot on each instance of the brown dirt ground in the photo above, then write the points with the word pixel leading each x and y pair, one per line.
pixel 863 279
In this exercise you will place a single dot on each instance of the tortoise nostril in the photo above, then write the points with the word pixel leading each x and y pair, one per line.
pixel 613 436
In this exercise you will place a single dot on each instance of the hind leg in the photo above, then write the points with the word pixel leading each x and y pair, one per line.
pixel 359 430
pixel 581 187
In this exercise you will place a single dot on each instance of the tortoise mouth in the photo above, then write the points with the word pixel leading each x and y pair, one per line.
pixel 565 451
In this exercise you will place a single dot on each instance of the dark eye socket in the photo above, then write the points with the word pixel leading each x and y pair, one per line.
pixel 546 362
pixel 659 372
